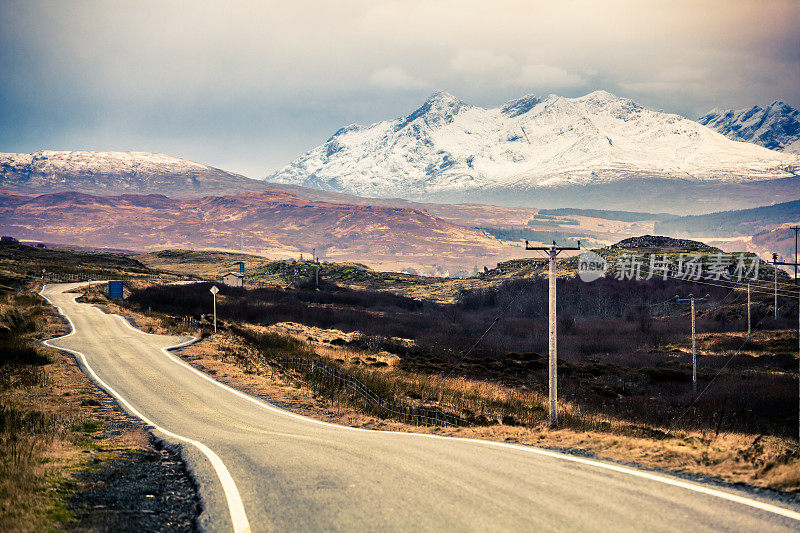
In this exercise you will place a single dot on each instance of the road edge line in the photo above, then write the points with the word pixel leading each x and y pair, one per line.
pixel 233 498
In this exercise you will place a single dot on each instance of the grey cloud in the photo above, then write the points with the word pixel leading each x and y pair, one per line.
pixel 249 86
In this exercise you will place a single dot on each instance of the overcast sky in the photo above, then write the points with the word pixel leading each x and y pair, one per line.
pixel 250 86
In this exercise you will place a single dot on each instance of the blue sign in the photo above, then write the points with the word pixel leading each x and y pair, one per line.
pixel 241 267
pixel 115 289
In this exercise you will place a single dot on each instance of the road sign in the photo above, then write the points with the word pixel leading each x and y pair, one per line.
pixel 214 290
pixel 115 289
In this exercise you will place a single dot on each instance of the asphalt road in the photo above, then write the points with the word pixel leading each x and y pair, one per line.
pixel 261 468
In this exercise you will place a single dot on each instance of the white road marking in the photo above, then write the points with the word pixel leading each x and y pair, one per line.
pixel 781 511
pixel 232 496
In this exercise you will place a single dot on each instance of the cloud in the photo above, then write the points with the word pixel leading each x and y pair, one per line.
pixel 480 62
pixel 395 78
pixel 542 75
pixel 483 65
pixel 261 81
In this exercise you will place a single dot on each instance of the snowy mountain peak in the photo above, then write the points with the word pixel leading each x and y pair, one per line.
pixel 602 95
pixel 443 98
pixel 449 149
pixel 440 108
pixel 776 127
pixel 779 106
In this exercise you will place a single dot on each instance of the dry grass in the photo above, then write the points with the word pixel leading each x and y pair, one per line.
pixel 51 421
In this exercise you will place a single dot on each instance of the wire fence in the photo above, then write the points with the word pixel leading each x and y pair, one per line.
pixel 189 321
pixel 66 277
pixel 339 379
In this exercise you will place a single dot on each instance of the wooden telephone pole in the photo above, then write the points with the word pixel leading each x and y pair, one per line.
pixel 552 252
pixel 749 328
pixel 796 230
pixel 795 265
pixel 692 300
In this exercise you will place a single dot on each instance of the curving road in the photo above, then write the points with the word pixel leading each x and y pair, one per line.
pixel 261 468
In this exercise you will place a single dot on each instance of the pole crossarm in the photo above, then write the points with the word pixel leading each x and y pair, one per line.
pixel 552 247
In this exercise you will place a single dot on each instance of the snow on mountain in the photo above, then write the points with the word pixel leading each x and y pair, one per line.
pixel 448 147
pixel 776 127
pixel 116 173
pixel 53 161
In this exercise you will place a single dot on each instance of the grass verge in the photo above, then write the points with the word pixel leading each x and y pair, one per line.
pixel 54 423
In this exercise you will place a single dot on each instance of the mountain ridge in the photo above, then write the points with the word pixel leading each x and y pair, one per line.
pixel 446 149
pixel 776 126
pixel 116 172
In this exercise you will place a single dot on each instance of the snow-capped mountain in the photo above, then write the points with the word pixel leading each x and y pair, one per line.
pixel 116 173
pixel 776 126
pixel 449 150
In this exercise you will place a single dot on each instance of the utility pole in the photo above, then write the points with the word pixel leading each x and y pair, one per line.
pixel 775 282
pixel 796 230
pixel 795 265
pixel 214 290
pixel 749 330
pixel 692 300
pixel 552 252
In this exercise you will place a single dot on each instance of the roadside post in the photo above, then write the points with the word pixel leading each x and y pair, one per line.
pixel 214 290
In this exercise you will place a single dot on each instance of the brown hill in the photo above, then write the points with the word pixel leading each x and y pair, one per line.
pixel 272 223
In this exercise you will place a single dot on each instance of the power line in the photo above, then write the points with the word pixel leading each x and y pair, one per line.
pixel 643 268
pixel 464 356
pixel 725 284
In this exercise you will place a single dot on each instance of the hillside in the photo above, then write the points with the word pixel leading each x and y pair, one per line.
pixel 605 214
pixel 658 242
pixel 534 150
pixel 19 263
pixel 274 224
pixel 740 222
pixel 111 173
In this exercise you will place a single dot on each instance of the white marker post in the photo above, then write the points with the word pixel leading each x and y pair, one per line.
pixel 214 290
